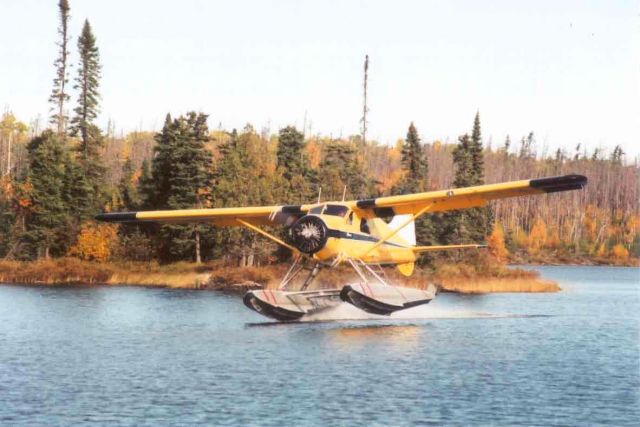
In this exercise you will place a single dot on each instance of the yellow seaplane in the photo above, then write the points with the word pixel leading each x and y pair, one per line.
pixel 324 235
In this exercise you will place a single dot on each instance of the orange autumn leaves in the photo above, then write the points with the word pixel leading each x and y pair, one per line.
pixel 96 242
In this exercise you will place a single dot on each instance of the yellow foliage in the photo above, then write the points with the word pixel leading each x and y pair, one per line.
pixel 314 152
pixel 395 154
pixel 520 238
pixel 602 250
pixel 631 228
pixel 95 242
pixel 619 252
pixel 537 236
pixel 389 180
pixel 553 238
pixel 496 244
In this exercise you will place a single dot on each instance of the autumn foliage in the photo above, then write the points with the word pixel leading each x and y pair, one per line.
pixel 495 241
pixel 96 242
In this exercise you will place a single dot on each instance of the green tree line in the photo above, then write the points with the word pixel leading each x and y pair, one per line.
pixel 54 181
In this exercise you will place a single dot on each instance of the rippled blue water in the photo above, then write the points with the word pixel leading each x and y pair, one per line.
pixel 135 356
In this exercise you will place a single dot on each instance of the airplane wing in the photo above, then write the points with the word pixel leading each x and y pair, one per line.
pixel 468 197
pixel 223 217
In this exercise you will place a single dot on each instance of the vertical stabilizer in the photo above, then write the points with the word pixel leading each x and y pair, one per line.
pixel 408 232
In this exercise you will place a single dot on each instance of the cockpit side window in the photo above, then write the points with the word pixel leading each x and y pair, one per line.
pixel 336 210
pixel 317 210
pixel 364 227
pixel 350 219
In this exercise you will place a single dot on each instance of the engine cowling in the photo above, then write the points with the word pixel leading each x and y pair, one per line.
pixel 309 234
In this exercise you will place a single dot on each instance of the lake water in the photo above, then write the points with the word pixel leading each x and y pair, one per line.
pixel 137 356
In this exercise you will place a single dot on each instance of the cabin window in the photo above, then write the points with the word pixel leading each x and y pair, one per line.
pixel 350 219
pixel 336 210
pixel 364 227
pixel 317 210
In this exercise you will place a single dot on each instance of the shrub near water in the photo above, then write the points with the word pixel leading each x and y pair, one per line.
pixel 478 276
pixel 60 271
pixel 95 242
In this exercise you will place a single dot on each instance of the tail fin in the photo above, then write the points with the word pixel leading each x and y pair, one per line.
pixel 406 269
pixel 408 232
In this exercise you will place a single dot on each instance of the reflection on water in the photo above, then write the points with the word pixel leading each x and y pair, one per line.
pixel 396 337
pixel 136 356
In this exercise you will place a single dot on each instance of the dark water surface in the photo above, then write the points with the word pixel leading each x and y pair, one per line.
pixel 136 356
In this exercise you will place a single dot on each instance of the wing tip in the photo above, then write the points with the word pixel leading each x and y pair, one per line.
pixel 554 184
pixel 116 217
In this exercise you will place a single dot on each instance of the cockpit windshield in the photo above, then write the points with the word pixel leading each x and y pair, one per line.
pixel 335 210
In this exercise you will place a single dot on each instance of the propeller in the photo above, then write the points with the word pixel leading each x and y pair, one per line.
pixel 309 234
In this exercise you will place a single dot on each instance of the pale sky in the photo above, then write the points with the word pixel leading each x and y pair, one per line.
pixel 567 70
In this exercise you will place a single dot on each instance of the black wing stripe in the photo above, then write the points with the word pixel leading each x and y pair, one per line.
pixel 559 183
pixel 117 217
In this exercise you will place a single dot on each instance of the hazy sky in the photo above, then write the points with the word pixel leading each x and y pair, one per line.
pixel 567 70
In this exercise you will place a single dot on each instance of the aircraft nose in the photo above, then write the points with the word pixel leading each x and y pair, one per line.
pixel 309 234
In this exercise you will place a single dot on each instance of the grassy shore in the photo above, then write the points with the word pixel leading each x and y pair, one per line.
pixel 464 278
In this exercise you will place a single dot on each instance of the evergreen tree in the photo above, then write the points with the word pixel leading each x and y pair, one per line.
pixel 477 154
pixel 87 82
pixel 156 189
pixel 59 93
pixel 87 174
pixel 127 189
pixel 292 161
pixel 414 165
pixel 340 167
pixel 463 162
pixel 50 214
pixel 243 165
pixel 180 179
pixel 416 180
pixel 290 154
pixel 469 225
pixel 481 219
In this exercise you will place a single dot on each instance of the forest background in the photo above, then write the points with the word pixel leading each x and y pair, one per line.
pixel 53 181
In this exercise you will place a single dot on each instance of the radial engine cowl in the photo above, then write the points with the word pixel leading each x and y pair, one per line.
pixel 309 234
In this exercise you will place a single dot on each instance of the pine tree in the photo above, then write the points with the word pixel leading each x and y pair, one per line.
pixel 481 219
pixel 127 189
pixel 477 155
pixel 290 154
pixel 453 225
pixel 59 93
pixel 416 180
pixel 463 162
pixel 414 165
pixel 469 225
pixel 145 185
pixel 246 164
pixel 340 167
pixel 156 189
pixel 47 175
pixel 180 179
pixel 89 170
pixel 292 161
pixel 87 82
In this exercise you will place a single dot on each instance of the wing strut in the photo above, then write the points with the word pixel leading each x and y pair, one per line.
pixel 267 235
pixel 394 232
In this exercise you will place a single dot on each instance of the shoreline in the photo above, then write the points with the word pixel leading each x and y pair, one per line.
pixel 460 278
